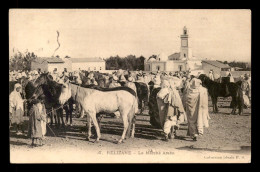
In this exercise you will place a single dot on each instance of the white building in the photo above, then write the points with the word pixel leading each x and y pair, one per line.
pixel 48 64
pixel 90 64
pixel 180 61
pixel 217 67
pixel 70 64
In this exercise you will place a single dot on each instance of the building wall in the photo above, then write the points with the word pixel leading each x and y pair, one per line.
pixel 235 74
pixel 67 64
pixel 60 67
pixel 43 66
pixel 154 66
pixel 95 66
pixel 174 66
pixel 147 67
pixel 194 64
pixel 207 67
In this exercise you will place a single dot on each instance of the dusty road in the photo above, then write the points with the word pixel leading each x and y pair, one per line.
pixel 228 139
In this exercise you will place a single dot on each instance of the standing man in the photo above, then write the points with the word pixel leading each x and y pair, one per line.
pixel 16 109
pixel 196 106
pixel 211 75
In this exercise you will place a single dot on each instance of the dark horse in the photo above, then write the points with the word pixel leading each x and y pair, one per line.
pixel 142 94
pixel 224 90
pixel 51 91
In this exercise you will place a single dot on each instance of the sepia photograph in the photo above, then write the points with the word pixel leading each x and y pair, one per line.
pixel 129 86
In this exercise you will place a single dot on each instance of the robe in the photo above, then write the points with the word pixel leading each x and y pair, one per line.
pixel 36 129
pixel 169 105
pixel 197 110
pixel 16 107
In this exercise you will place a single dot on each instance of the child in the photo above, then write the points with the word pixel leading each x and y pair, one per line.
pixel 36 121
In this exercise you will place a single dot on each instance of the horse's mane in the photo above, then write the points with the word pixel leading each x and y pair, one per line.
pixel 110 89
pixel 206 80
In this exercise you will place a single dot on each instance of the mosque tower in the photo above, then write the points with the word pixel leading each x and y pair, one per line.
pixel 185 45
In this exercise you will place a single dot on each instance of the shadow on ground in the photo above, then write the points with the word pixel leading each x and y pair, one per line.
pixel 239 150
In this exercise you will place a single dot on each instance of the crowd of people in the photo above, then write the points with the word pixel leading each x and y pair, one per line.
pixel 182 98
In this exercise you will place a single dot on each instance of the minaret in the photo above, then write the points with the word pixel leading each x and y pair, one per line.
pixel 185 49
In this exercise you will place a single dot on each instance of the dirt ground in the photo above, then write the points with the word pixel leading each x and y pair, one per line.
pixel 228 139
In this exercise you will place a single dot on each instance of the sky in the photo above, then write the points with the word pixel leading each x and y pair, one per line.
pixel 214 34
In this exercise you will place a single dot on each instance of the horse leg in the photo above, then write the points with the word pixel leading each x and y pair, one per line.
pixel 70 113
pixel 88 127
pixel 133 129
pixel 140 102
pixel 61 116
pixel 213 104
pixel 57 117
pixel 54 114
pixel 67 114
pixel 94 119
pixel 216 104
pixel 235 109
pixel 81 111
pixel 240 108
pixel 131 126
pixel 99 117
pixel 126 123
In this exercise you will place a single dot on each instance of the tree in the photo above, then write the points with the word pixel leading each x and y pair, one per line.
pixel 21 62
pixel 130 62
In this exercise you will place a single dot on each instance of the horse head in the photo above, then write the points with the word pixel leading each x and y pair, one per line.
pixel 203 79
pixel 42 79
pixel 65 93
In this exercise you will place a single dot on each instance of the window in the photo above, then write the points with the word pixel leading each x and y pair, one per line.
pixel 184 55
pixel 180 67
pixel 100 68
pixel 158 67
pixel 94 68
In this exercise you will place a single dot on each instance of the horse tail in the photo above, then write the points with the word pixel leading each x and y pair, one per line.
pixel 131 115
pixel 133 109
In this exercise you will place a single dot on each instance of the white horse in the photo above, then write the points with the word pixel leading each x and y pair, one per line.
pixel 122 99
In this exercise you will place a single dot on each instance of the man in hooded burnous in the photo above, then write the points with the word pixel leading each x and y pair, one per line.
pixel 170 108
pixel 211 75
pixel 16 109
pixel 196 109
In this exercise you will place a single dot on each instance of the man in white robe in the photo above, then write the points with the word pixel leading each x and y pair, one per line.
pixel 16 108
pixel 196 109
pixel 211 75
